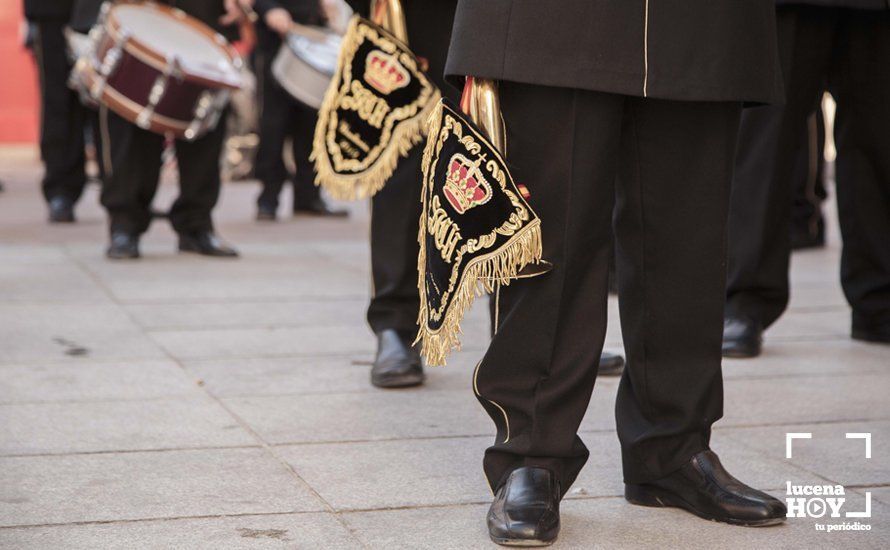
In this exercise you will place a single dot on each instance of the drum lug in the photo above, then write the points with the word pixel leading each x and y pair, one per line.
pixel 109 64
pixel 158 89
pixel 103 13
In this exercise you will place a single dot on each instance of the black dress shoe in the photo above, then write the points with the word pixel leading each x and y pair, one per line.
pixel 124 246
pixel 875 335
pixel 611 364
pixel 742 337
pixel 525 511
pixel 61 210
pixel 205 243
pixel 397 365
pixel 318 207
pixel 702 486
pixel 265 213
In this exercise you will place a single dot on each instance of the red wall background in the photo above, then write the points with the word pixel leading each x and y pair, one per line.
pixel 19 100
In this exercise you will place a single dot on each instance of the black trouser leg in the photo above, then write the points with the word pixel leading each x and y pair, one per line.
pixel 673 159
pixel 62 116
pixel 395 215
pixel 769 141
pixel 536 378
pixel 276 123
pixel 670 226
pixel 135 162
pixel 199 181
pixel 808 178
pixel 302 134
pixel 862 132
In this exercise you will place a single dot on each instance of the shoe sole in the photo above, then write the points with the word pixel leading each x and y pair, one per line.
pixel 198 252
pixel 526 543
pixel 319 214
pixel 737 354
pixel 656 498
pixel 399 382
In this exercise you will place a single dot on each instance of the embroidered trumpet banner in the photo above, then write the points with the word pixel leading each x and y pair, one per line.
pixel 373 114
pixel 476 230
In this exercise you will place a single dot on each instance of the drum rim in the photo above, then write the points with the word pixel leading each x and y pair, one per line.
pixel 148 55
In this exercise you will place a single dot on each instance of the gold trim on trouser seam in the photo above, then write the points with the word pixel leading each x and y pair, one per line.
pixel 497 307
pixel 503 412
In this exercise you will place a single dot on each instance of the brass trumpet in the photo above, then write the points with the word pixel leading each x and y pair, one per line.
pixel 390 15
pixel 481 103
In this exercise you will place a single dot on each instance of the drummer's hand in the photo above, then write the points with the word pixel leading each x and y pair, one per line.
pixel 236 10
pixel 279 20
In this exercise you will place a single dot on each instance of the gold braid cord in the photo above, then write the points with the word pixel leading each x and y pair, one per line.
pixel 356 176
pixel 482 273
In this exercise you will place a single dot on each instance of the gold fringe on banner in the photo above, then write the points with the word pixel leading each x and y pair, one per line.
pixel 396 143
pixel 481 275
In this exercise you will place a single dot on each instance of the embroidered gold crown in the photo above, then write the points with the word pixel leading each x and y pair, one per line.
pixel 465 186
pixel 385 73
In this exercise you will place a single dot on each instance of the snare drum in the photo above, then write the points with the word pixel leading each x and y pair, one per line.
pixel 159 68
pixel 306 62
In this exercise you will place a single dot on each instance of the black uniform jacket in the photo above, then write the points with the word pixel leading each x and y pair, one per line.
pixel 36 10
pixel 429 31
pixel 209 11
pixel 856 4
pixel 703 50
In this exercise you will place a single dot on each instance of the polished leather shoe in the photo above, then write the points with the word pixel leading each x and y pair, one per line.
pixel 703 487
pixel 205 243
pixel 318 207
pixel 525 511
pixel 265 213
pixel 61 210
pixel 742 337
pixel 398 364
pixel 611 364
pixel 123 246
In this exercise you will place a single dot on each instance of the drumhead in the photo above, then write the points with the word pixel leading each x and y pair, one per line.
pixel 317 47
pixel 170 37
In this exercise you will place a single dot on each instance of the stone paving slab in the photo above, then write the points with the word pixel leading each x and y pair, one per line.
pixel 127 486
pixel 51 282
pixel 93 380
pixel 53 332
pixel 829 452
pixel 601 523
pixel 817 297
pixel 167 278
pixel 266 342
pixel 403 414
pixel 268 313
pixel 810 325
pixel 307 530
pixel 31 254
pixel 881 494
pixel 167 423
pixel 787 359
pixel 387 474
pixel 809 399
pixel 302 375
